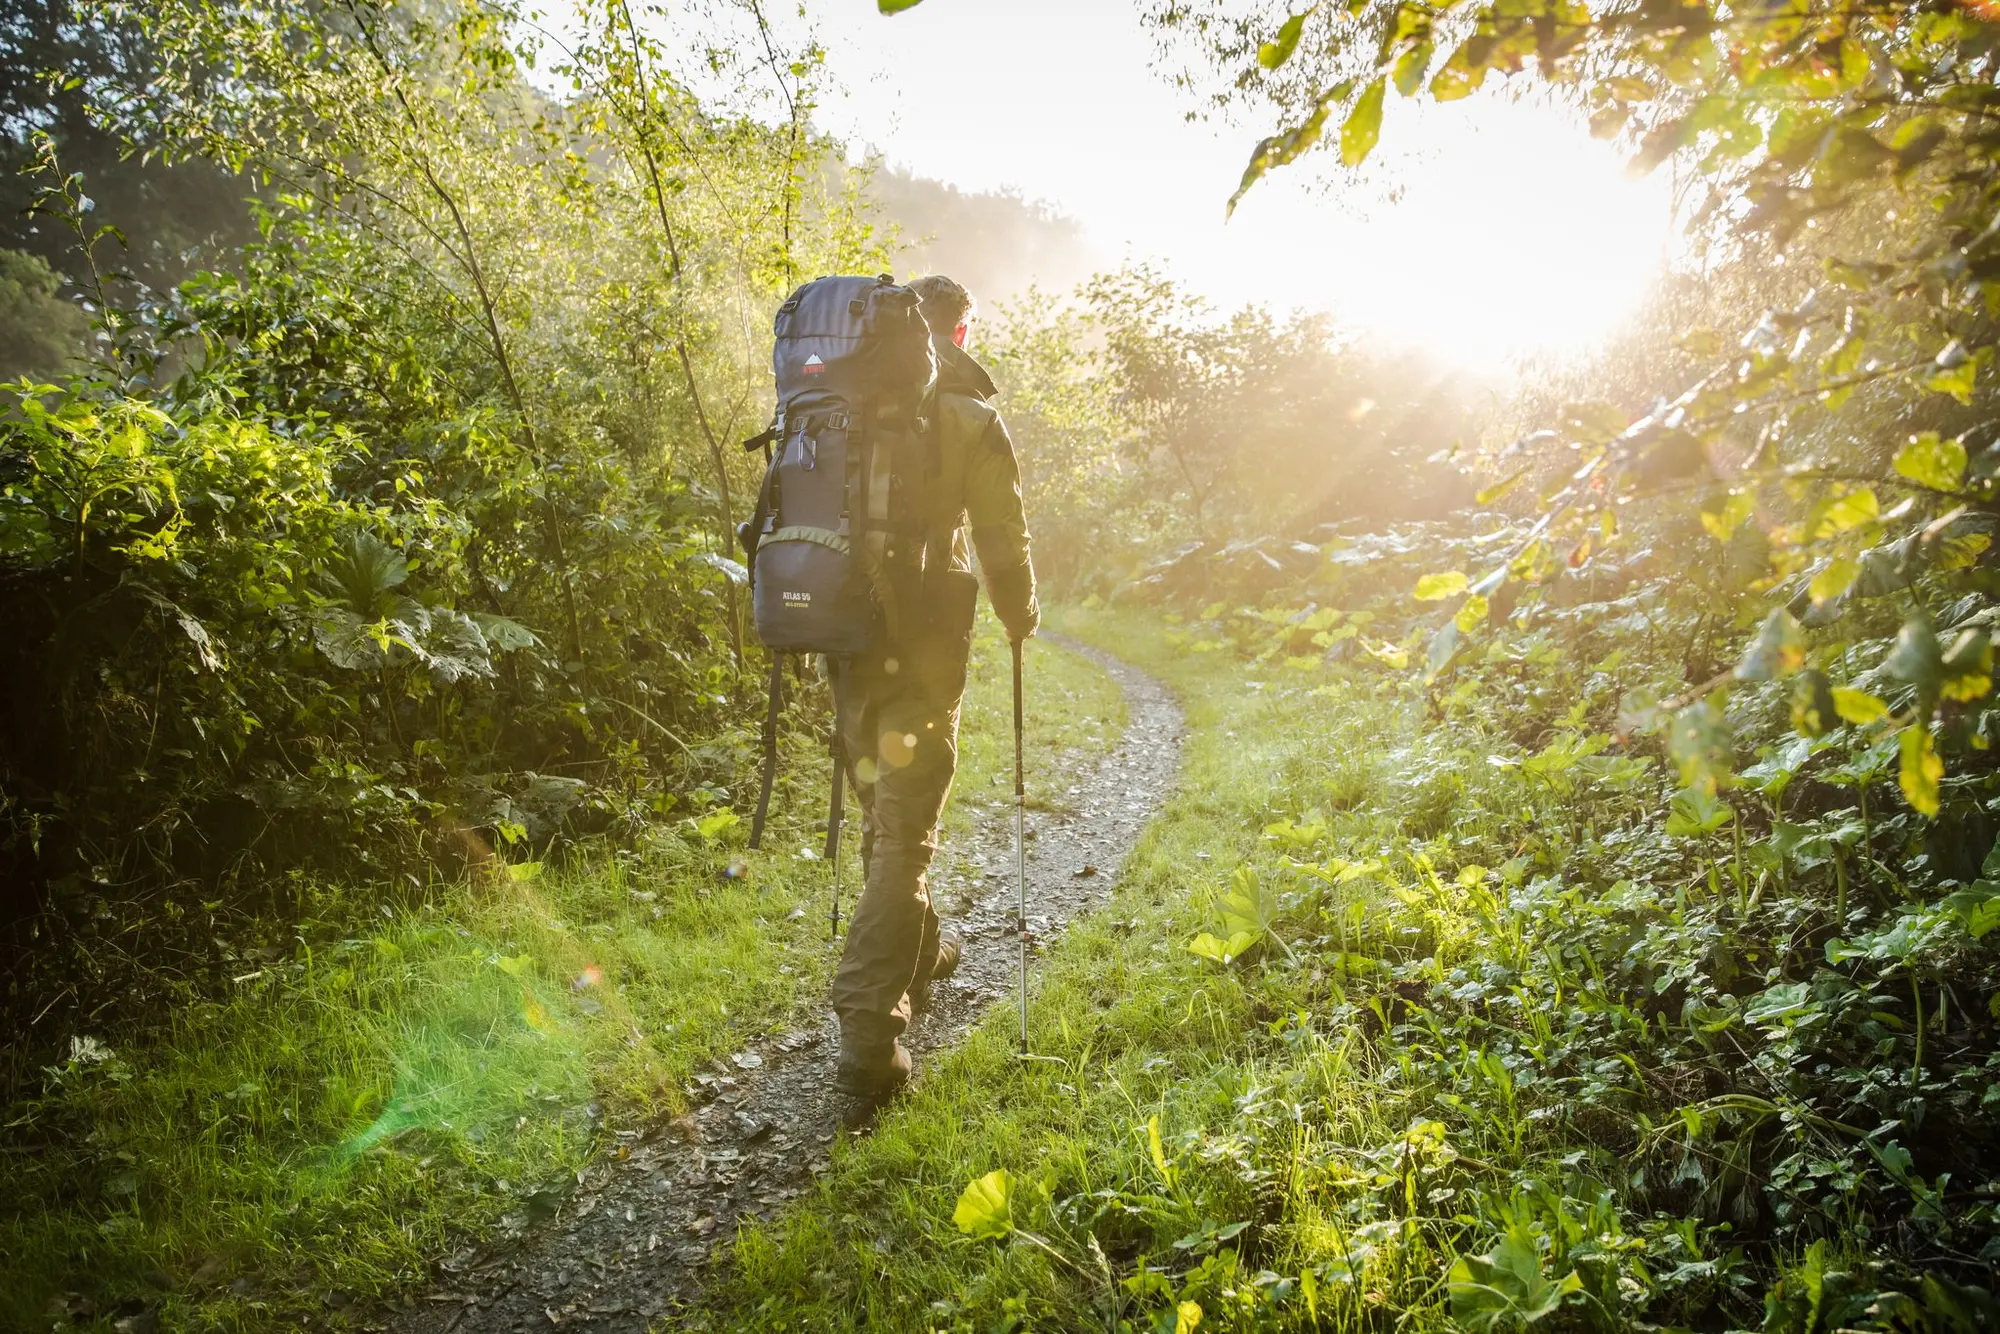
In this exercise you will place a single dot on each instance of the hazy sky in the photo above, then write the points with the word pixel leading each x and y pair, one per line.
pixel 1512 228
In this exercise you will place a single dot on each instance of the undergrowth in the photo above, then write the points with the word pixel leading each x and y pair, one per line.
pixel 1396 1022
pixel 406 1079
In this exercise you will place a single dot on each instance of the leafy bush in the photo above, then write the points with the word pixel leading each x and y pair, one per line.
pixel 399 543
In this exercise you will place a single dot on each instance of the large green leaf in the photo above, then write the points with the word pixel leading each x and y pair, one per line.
pixel 1445 643
pixel 1778 650
pixel 1917 658
pixel 1506 1288
pixel 1696 812
pixel 1848 509
pixel 1977 907
pixel 364 573
pixel 1699 742
pixel 986 1206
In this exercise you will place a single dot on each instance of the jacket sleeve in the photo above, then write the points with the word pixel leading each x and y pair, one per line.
pixel 1000 530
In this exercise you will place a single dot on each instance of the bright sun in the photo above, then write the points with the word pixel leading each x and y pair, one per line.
pixel 1521 236
pixel 1484 233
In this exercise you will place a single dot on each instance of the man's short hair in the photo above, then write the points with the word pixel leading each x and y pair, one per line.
pixel 944 303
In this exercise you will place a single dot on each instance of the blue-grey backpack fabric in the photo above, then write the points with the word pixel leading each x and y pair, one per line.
pixel 840 512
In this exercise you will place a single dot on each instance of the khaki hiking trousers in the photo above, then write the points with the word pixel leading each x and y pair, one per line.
pixel 897 710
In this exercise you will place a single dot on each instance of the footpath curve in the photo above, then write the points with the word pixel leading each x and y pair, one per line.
pixel 650 1218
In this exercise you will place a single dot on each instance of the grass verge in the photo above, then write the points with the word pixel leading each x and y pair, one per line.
pixel 409 1078
pixel 1109 1151
pixel 1390 1023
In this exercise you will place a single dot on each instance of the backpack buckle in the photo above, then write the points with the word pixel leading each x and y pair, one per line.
pixel 837 421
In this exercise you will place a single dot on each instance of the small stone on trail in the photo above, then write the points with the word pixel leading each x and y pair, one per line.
pixel 702 1226
pixel 747 1060
pixel 1084 871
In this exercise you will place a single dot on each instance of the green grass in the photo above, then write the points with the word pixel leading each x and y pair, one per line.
pixel 1376 1033
pixel 413 1078
pixel 1148 1034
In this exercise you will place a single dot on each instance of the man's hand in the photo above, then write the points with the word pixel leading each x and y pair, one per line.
pixel 1012 593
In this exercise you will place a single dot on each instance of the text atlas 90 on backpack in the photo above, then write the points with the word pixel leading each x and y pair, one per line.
pixel 836 543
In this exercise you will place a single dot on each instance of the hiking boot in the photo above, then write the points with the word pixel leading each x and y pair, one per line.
pixel 951 948
pixel 871 1071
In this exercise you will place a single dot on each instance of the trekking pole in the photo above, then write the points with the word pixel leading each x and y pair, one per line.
pixel 1021 846
pixel 835 812
pixel 1021 860
pixel 833 823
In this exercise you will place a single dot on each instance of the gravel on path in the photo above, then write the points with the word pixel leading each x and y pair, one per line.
pixel 649 1219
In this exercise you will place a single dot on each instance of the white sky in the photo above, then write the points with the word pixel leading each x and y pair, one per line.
pixel 1512 232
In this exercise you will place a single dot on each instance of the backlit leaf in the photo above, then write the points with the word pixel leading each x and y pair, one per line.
pixel 1501 487
pixel 1848 510
pixel 1722 522
pixel 1968 667
pixel 986 1206
pixel 1411 67
pixel 1858 706
pixel 1279 49
pixel 1437 587
pixel 1284 147
pixel 1957 381
pixel 1921 769
pixel 1930 460
pixel 1834 581
pixel 1363 126
pixel 1443 648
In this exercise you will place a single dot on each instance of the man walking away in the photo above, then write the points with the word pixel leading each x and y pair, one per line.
pixel 897 707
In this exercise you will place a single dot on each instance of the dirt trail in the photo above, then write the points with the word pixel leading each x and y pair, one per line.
pixel 648 1220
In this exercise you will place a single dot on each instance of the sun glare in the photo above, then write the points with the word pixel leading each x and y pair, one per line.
pixel 1521 238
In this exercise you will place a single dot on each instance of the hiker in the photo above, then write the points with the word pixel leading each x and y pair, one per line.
pixel 897 705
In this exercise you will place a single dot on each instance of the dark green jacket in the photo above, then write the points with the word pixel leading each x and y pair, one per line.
pixel 979 487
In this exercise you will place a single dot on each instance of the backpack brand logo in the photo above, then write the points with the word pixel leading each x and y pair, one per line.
pixel 814 366
pixel 796 599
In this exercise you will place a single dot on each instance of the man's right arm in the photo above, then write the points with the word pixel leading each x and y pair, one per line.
pixel 1000 530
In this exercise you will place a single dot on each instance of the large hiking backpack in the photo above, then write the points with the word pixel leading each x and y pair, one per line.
pixel 839 522
pixel 836 545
